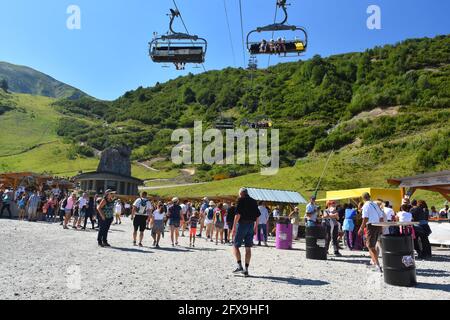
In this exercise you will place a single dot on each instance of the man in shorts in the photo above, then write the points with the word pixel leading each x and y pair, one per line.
pixel 371 214
pixel 141 213
pixel 245 225
pixel 203 208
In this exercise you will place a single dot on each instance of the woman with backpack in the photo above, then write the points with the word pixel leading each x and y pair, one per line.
pixel 175 220
pixel 209 221
pixel 219 222
pixel 22 203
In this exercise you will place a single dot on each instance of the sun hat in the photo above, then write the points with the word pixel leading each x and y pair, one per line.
pixel 175 200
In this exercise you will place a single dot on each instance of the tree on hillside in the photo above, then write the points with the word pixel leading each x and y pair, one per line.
pixel 4 85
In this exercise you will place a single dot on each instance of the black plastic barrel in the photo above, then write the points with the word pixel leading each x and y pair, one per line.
pixel 398 260
pixel 315 243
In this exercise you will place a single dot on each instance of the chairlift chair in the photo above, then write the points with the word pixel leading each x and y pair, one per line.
pixel 178 48
pixel 287 48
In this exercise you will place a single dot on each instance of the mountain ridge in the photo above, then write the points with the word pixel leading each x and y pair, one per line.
pixel 24 79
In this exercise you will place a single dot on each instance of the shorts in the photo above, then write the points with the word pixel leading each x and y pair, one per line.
pixel 158 226
pixel 208 222
pixel 68 212
pixel 244 234
pixel 175 223
pixel 82 213
pixel 193 232
pixel 373 233
pixel 140 223
pixel 219 225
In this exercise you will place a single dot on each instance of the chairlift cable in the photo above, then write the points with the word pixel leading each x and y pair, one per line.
pixel 242 31
pixel 323 173
pixel 273 32
pixel 184 24
pixel 229 32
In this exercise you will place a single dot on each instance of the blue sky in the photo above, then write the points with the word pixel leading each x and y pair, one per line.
pixel 109 56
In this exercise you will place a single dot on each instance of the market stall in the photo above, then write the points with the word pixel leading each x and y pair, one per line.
pixel 354 195
pixel 437 182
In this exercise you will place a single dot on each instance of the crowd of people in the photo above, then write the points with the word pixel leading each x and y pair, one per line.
pixel 355 225
pixel 225 223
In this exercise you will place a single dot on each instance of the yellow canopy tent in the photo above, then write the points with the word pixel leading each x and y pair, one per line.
pixel 391 195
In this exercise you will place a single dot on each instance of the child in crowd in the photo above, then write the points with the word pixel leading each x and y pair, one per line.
pixel 193 222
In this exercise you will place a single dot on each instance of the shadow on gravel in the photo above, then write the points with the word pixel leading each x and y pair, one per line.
pixel 439 258
pixel 434 286
pixel 353 261
pixel 172 249
pixel 130 250
pixel 205 249
pixel 293 281
pixel 432 273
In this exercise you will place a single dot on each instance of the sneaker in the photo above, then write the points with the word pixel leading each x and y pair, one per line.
pixel 101 245
pixel 337 254
pixel 106 244
pixel 246 274
pixel 199 235
pixel 140 245
pixel 134 243
pixel 157 246
pixel 238 270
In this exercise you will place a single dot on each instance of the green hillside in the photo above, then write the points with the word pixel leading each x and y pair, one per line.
pixel 26 80
pixel 29 140
pixel 384 112
pixel 319 105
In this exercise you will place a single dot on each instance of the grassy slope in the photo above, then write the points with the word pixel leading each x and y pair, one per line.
pixel 31 123
pixel 365 172
pixel 29 141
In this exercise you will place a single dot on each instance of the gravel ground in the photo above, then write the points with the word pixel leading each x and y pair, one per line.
pixel 43 261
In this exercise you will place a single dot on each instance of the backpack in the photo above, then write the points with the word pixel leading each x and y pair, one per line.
pixel 143 206
pixel 210 213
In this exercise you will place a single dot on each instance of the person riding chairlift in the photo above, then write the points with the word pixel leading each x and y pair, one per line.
pixel 263 46
pixel 281 46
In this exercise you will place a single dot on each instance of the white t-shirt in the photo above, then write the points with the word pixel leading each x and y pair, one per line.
pixel 158 215
pixel 388 213
pixel 183 208
pixel 404 216
pixel 118 208
pixel 143 210
pixel 264 215
pixel 82 202
pixel 276 213
pixel 372 211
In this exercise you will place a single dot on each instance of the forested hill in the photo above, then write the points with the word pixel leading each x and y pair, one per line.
pixel 319 104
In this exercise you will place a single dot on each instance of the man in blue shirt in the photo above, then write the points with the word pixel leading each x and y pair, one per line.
pixel 311 212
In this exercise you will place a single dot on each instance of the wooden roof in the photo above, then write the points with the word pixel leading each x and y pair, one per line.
pixel 434 181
